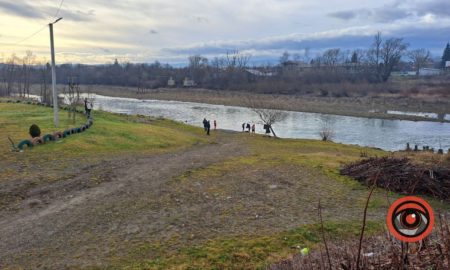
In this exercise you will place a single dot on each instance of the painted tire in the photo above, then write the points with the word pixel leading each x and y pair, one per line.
pixel 67 132
pixel 23 143
pixel 37 140
pixel 58 135
pixel 48 137
pixel 73 131
pixel 82 128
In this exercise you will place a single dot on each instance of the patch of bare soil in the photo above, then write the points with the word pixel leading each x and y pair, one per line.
pixel 77 220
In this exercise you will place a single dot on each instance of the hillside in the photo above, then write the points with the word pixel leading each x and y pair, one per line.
pixel 137 192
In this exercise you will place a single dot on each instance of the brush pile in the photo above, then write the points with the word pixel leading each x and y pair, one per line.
pixel 402 176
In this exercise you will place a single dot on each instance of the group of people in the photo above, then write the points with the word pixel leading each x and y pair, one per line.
pixel 248 127
pixel 207 125
pixel 88 106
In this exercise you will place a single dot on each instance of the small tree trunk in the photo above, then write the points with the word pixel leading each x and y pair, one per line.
pixel 273 132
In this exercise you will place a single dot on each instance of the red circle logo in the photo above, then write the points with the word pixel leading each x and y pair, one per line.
pixel 410 219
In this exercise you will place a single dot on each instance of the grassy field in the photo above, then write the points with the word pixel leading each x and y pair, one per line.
pixel 225 201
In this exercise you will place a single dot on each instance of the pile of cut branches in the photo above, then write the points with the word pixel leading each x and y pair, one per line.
pixel 402 176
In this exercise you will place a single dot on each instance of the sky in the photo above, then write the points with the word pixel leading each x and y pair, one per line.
pixel 168 31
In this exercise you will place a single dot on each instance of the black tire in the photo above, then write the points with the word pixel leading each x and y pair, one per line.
pixel 23 143
pixel 48 137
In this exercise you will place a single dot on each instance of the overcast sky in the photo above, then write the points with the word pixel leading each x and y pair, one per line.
pixel 97 31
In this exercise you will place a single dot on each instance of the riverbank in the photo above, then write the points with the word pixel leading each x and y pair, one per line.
pixel 138 192
pixel 374 106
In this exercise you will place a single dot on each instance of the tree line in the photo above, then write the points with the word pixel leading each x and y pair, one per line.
pixel 230 71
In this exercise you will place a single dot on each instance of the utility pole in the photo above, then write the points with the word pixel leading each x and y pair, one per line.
pixel 55 94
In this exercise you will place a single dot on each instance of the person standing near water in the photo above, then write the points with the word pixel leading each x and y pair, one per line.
pixel 253 128
pixel 248 127
pixel 85 106
pixel 89 107
pixel 243 127
pixel 215 124
pixel 208 127
pixel 204 123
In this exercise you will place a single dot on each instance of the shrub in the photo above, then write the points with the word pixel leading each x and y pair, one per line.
pixel 35 131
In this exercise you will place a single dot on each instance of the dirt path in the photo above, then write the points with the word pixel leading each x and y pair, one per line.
pixel 80 220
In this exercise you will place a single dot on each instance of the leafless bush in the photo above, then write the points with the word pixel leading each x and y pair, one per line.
pixel 327 132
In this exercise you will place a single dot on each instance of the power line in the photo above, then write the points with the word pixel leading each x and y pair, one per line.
pixel 59 9
pixel 30 36
pixel 40 29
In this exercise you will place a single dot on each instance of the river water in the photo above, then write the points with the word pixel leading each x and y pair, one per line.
pixel 380 133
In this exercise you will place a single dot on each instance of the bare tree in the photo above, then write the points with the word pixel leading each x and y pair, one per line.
pixel 72 98
pixel 284 58
pixel 327 132
pixel 419 58
pixel 331 57
pixel 267 116
pixel 46 96
pixel 374 54
pixel 392 51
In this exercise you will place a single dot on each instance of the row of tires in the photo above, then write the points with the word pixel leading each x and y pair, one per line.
pixel 56 135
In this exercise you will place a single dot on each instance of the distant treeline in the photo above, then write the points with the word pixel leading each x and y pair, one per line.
pixel 231 71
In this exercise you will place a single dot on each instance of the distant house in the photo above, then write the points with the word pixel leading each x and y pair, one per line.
pixel 429 72
pixel 171 82
pixel 403 73
pixel 260 73
pixel 188 82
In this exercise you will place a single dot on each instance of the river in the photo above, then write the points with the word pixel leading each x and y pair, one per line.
pixel 385 134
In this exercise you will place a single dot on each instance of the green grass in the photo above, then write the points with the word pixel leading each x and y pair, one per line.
pixel 114 135
pixel 240 252
pixel 110 136
pixel 110 132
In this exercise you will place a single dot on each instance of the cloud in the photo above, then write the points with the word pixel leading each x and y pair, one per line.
pixel 21 9
pixel 344 15
pixel 78 15
pixel 153 31
pixel 437 7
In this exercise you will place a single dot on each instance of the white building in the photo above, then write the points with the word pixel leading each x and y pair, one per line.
pixel 188 82
pixel 429 72
pixel 171 82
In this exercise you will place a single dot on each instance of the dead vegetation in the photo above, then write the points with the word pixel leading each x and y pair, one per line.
pixel 403 176
pixel 379 252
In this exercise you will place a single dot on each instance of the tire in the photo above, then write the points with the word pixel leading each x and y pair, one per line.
pixel 67 132
pixel 58 135
pixel 37 140
pixel 48 137
pixel 23 143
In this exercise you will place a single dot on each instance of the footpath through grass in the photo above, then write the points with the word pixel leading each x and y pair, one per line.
pixel 263 205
